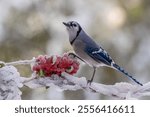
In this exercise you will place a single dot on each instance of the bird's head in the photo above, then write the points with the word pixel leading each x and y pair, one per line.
pixel 73 29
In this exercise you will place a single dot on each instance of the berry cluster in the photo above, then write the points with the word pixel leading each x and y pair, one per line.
pixel 46 66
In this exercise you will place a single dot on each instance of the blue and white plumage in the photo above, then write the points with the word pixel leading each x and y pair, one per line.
pixel 89 52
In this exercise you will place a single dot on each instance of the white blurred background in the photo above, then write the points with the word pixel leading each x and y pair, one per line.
pixel 29 28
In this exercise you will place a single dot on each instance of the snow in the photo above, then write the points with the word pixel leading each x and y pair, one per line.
pixel 121 90
pixel 10 82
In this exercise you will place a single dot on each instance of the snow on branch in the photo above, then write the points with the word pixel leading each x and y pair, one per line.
pixel 58 71
pixel 119 90
pixel 10 82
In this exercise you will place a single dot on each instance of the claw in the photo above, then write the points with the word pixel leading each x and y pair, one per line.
pixel 89 82
pixel 72 55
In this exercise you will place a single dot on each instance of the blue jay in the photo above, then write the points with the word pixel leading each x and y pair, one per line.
pixel 88 51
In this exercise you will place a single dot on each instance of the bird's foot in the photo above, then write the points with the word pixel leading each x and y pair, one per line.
pixel 72 55
pixel 89 82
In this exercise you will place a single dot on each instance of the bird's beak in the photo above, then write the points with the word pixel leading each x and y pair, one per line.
pixel 65 24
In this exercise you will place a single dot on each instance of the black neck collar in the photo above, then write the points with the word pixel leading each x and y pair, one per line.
pixel 78 32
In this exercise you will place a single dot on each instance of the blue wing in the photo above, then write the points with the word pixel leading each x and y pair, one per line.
pixel 99 55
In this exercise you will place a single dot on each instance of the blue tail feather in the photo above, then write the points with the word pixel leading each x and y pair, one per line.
pixel 124 72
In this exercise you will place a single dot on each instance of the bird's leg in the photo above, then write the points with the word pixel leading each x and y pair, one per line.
pixel 91 80
pixel 75 56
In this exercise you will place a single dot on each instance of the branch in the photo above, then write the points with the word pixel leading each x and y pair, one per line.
pixel 21 62
pixel 11 81
pixel 119 90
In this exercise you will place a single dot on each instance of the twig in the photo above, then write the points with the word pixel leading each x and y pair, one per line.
pixel 21 62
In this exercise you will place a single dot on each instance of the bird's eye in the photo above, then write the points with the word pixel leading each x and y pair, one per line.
pixel 74 25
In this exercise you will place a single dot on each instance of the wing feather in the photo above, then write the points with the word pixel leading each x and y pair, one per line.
pixel 99 55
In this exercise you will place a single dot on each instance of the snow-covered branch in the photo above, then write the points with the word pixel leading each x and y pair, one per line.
pixel 22 62
pixel 119 90
pixel 11 81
